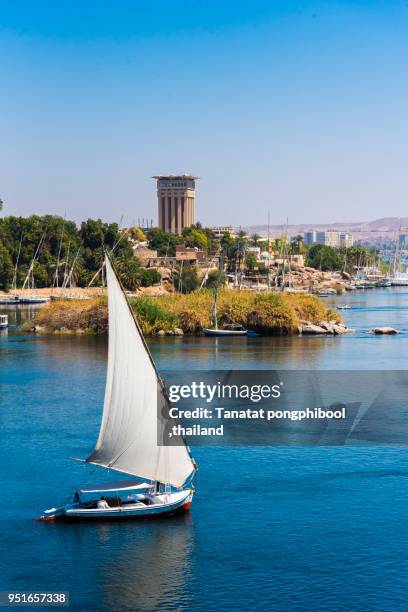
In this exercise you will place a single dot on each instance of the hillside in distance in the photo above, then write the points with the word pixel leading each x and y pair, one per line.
pixel 386 227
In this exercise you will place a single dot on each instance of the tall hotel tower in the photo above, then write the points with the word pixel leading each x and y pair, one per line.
pixel 176 201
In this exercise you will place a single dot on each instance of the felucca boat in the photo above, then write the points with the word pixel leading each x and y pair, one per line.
pixel 160 478
pixel 227 330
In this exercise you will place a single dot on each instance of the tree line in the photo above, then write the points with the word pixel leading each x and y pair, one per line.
pixel 67 253
pixel 73 254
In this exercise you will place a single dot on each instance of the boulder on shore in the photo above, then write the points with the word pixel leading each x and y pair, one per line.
pixel 311 328
pixel 323 327
pixel 339 329
pixel 327 326
pixel 384 330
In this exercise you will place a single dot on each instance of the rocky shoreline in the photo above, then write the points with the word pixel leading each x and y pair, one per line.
pixel 324 327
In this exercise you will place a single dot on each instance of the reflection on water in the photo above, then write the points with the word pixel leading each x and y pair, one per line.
pixel 359 350
pixel 19 314
pixel 152 570
pixel 270 528
pixel 145 564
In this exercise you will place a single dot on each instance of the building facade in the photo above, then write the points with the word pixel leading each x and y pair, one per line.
pixel 346 239
pixel 321 237
pixel 310 237
pixel 176 201
pixel 220 230
pixel 330 237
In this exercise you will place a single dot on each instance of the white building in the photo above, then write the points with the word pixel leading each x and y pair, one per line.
pixel 346 239
pixel 330 237
pixel 220 230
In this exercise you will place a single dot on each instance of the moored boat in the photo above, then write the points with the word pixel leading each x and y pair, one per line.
pixel 3 321
pixel 130 438
pixel 232 330
pixel 229 329
pixel 399 280
pixel 33 299
pixel 12 299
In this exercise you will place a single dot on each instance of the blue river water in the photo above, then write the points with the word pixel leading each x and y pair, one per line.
pixel 270 528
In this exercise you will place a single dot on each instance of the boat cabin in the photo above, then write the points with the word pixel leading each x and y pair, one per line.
pixel 3 321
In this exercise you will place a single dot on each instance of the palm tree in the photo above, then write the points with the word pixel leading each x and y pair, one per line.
pixel 254 239
pixel 297 243
pixel 240 244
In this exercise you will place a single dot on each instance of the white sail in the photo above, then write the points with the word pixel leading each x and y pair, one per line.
pixel 127 439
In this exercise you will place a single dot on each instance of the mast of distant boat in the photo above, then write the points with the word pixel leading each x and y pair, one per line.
pixel 16 266
pixel 55 284
pixel 215 317
pixel 30 273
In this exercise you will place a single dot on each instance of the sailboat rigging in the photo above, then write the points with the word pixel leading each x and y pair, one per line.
pixel 130 438
pixel 228 329
pixel 29 279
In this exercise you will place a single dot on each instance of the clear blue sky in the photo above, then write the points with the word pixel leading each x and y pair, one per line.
pixel 299 107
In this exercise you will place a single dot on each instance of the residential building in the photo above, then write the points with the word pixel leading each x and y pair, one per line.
pixel 332 238
pixel 320 237
pixel 346 239
pixel 220 230
pixel 310 237
pixel 143 253
pixel 255 250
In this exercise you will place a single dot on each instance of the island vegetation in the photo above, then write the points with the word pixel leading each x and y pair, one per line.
pixel 266 313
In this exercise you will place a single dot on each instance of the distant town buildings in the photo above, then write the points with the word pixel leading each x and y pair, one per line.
pixel 184 255
pixel 310 237
pixel 256 251
pixel 176 201
pixel 220 230
pixel 346 239
pixel 330 237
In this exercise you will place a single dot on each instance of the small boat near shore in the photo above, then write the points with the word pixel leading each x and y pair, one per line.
pixel 12 299
pixel 3 321
pixel 33 299
pixel 399 280
pixel 227 330
pixel 343 307
pixel 131 438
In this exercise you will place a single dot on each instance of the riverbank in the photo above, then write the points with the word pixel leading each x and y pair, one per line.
pixel 79 293
pixel 176 314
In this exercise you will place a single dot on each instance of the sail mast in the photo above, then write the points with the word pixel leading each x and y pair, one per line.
pixel 135 416
pixel 17 260
pixel 59 256
pixel 31 268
